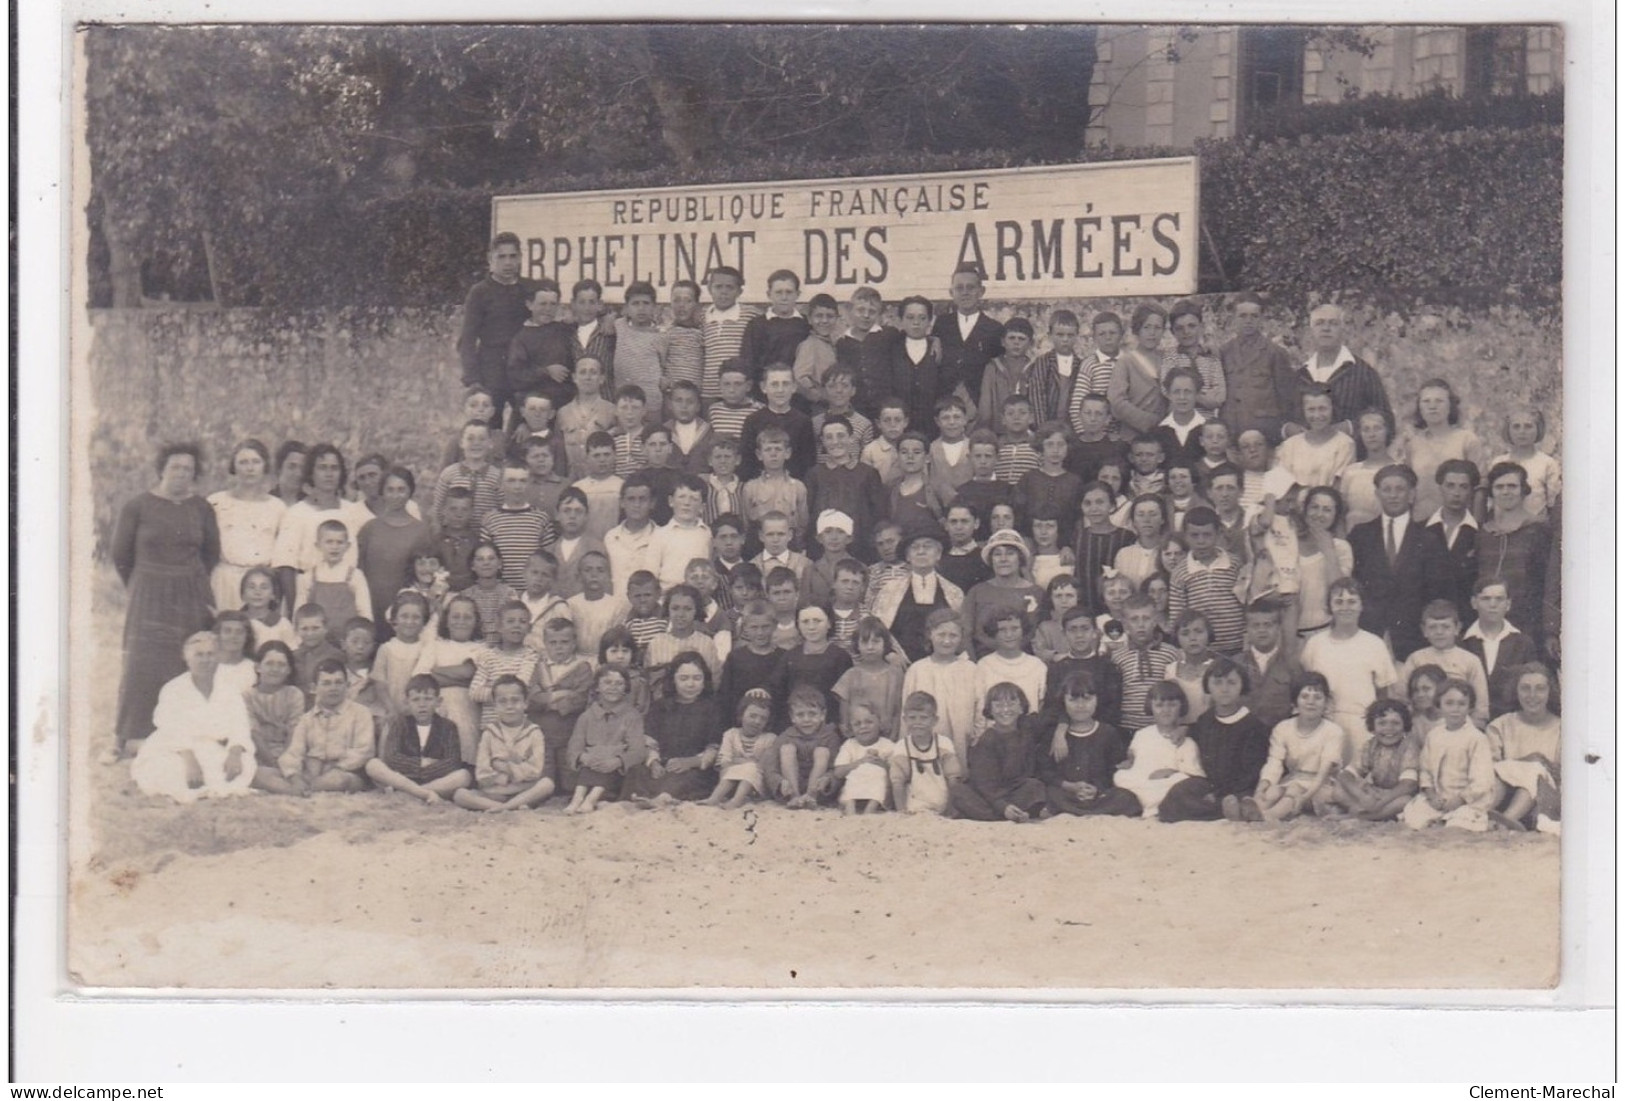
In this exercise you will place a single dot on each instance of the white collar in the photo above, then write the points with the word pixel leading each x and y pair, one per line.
pixel 1196 421
pixel 1475 631
pixel 586 331
pixel 924 587
pixel 853 334
pixel 1236 718
pixel 1221 559
pixel 1343 356
pixel 1263 657
pixel 1468 520
pixel 967 321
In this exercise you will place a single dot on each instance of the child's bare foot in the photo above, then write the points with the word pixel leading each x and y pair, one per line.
pixel 642 801
pixel 1250 811
pixel 432 797
pixel 1016 814
pixel 1507 823
pixel 1230 807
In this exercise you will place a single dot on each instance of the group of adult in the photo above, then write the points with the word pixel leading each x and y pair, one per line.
pixel 182 556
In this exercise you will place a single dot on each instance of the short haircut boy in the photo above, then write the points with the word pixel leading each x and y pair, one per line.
pixel 1439 609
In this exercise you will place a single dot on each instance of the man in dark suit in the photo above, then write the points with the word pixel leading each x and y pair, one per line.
pixel 967 336
pixel 1457 533
pixel 1397 563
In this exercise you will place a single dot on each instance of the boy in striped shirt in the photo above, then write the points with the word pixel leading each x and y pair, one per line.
pixel 630 403
pixel 1207 580
pixel 1017 455
pixel 516 527
pixel 729 413
pixel 723 328
pixel 685 339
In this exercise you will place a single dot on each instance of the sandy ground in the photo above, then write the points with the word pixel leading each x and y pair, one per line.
pixel 376 891
pixel 695 897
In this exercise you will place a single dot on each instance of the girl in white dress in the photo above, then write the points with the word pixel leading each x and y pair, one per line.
pixel 948 677
pixel 864 763
pixel 249 519
pixel 1161 755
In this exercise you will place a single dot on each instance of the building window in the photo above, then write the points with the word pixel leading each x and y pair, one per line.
pixel 1269 69
pixel 1497 61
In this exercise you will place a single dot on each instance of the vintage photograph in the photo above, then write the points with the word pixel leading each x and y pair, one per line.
pixel 801 507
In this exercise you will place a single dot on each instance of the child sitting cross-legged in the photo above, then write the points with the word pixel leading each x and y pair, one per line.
pixel 1389 768
pixel 331 742
pixel 420 754
pixel 999 781
pixel 511 765
pixel 1458 782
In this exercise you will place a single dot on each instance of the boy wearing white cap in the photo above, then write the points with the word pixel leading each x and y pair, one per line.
pixel 833 529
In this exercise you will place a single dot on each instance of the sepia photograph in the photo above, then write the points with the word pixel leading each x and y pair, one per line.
pixel 822 509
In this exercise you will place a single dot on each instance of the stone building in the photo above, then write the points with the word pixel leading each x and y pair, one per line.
pixel 1171 85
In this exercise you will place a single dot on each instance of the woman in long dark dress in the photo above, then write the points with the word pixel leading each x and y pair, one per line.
pixel 388 542
pixel 164 545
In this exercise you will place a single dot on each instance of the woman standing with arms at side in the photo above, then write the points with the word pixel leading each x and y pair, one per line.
pixel 387 544
pixel 164 546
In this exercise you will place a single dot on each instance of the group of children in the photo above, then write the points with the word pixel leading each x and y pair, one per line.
pixel 674 590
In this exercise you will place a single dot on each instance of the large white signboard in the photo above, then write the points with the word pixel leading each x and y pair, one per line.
pixel 1084 230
